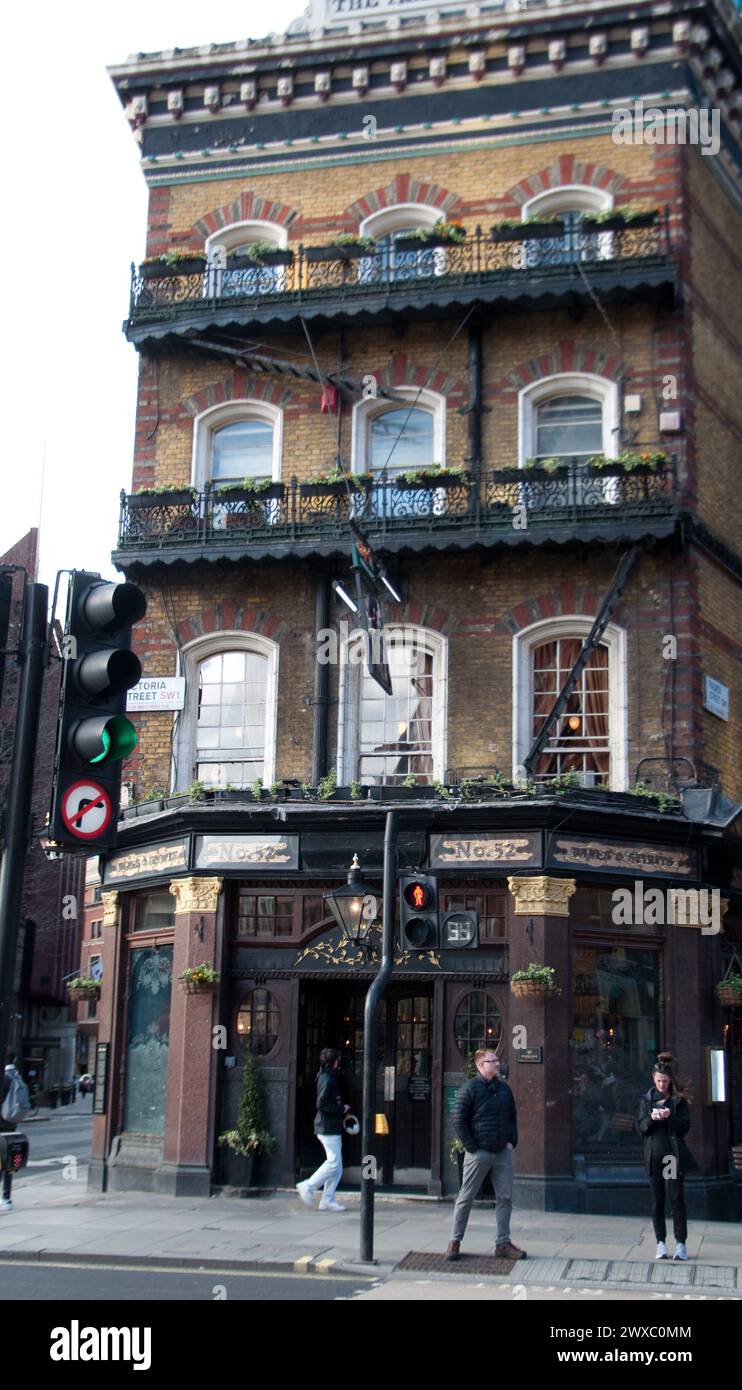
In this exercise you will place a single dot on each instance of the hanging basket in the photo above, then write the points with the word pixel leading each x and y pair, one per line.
pixel 200 986
pixel 729 996
pixel 81 993
pixel 532 989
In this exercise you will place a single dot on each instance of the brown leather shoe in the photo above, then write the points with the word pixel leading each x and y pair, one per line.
pixel 509 1252
pixel 454 1250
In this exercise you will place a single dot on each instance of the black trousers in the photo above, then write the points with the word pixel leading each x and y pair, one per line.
pixel 7 1183
pixel 672 1187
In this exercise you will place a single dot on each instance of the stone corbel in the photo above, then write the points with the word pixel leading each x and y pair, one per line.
pixel 542 896
pixel 360 81
pixel 322 83
pixel 110 903
pixel 516 59
pixel 557 54
pixel 598 46
pixel 196 894
pixel 438 71
pixel 212 98
pixel 249 93
pixel 477 65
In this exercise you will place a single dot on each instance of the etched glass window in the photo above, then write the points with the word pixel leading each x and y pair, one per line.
pixel 477 1023
pixel 147 1041
pixel 259 1022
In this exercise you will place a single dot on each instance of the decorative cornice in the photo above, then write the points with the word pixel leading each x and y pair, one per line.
pixel 110 903
pixel 196 894
pixel 542 896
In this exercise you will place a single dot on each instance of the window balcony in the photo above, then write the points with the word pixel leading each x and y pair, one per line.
pixel 353 285
pixel 512 507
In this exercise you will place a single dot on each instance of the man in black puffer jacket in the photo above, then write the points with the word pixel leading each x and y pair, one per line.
pixel 486 1123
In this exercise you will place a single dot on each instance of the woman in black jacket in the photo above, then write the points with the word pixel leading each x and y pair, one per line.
pixel 328 1126
pixel 664 1117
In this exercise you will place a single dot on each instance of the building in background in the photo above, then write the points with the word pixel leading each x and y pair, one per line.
pixel 41 1029
pixel 426 276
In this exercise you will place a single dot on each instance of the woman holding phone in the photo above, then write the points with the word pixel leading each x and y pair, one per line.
pixel 664 1117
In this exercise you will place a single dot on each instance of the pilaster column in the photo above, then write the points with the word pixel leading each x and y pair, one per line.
pixel 189 1110
pixel 539 934
pixel 110 951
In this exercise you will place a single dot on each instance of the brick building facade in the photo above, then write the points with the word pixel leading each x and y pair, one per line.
pixel 570 383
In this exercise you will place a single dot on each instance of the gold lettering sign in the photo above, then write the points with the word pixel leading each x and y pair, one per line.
pixel 604 854
pixel 266 850
pixel 147 862
pixel 483 849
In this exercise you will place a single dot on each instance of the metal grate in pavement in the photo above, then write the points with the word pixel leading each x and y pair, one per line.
pixel 430 1263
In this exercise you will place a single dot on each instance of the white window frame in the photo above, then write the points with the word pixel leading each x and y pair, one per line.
pixel 578 197
pixel 399 218
pixel 191 656
pixel 548 630
pixel 239 234
pixel 349 703
pixel 207 424
pixel 567 384
pixel 364 411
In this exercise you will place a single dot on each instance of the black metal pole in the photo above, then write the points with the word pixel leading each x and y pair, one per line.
pixel 370 1032
pixel 32 660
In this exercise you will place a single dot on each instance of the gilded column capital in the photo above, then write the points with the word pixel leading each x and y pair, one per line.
pixel 110 903
pixel 196 894
pixel 542 896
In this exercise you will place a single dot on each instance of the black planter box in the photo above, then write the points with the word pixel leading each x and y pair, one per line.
pixel 246 494
pixel 618 223
pixel 276 257
pixel 164 271
pixel 176 498
pixel 325 489
pixel 529 231
pixel 392 793
pixel 429 483
pixel 336 253
pixel 413 243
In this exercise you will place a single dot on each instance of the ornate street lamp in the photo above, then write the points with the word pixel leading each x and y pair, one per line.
pixel 354 906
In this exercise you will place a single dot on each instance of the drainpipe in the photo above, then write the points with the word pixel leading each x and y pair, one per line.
pixel 320 703
pixel 475 408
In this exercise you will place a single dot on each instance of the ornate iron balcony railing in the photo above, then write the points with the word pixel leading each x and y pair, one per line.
pixel 314 275
pixel 515 505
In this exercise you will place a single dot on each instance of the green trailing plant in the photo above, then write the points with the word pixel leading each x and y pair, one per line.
pixel 355 791
pixel 83 982
pixel 365 243
pixel 255 251
pixel 525 784
pixel 196 791
pixel 256 788
pixel 200 974
pixel 306 791
pixel 326 786
pixel 663 800
pixel 549 465
pixel 174 257
pixel 338 475
pixel 273 790
pixel 541 974
pixel 629 459
pixel 451 231
pixel 497 780
pixel 410 780
pixel 563 781
pixel 250 1135
pixel 433 474
pixel 732 985
pixel 442 791
pixel 629 213
pixel 250 485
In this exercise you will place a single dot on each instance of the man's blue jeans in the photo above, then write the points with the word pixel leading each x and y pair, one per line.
pixel 476 1168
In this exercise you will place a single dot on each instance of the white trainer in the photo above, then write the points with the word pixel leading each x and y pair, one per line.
pixel 6 1204
pixel 305 1192
pixel 661 1250
pixel 332 1206
pixel 680 1251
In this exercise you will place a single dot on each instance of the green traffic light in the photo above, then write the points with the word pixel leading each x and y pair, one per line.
pixel 104 740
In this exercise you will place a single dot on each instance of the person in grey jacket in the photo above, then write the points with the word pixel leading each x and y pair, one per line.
pixel 485 1122
pixel 328 1126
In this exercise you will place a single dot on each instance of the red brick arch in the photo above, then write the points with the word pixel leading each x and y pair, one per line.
pixel 401 370
pixel 567 356
pixel 230 616
pixel 403 189
pixel 237 386
pixel 567 169
pixel 247 207
pixel 571 598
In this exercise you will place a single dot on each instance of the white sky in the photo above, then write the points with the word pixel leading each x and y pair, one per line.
pixel 73 219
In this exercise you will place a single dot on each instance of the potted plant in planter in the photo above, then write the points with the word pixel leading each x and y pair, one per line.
pixel 200 979
pixel 547 466
pixel 619 219
pixel 435 476
pixel 536 982
pixel 251 490
pixel 532 229
pixel 344 247
pixel 82 988
pixel 442 233
pixel 250 1137
pixel 729 991
pixel 631 461
pixel 257 254
pixel 334 482
pixel 173 263
pixel 164 495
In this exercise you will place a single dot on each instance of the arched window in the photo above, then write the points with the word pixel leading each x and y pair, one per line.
pixel 386 227
pixel 386 738
pixel 226 731
pixel 571 416
pixel 589 737
pixel 229 279
pixel 477 1024
pixel 568 205
pixel 259 1022
pixel 241 439
pixel 389 439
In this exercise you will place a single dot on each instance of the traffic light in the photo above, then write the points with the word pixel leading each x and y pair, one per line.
pixel 418 913
pixel 93 733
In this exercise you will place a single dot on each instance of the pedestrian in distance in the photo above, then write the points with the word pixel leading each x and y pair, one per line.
pixel 485 1121
pixel 15 1104
pixel 664 1118
pixel 328 1127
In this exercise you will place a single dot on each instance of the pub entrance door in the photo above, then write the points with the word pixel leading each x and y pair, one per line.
pixel 331 1015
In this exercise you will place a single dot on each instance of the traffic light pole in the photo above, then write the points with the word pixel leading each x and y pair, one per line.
pixel 32 659
pixel 370 1034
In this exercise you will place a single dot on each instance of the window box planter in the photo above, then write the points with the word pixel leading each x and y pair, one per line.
pixel 277 257
pixel 336 253
pixel 729 994
pixel 431 243
pixel 249 494
pixel 444 480
pixel 389 792
pixel 80 994
pixel 529 231
pixel 164 270
pixel 178 497
pixel 619 223
pixel 326 489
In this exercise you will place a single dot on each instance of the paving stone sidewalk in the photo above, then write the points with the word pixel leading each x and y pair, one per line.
pixel 56 1218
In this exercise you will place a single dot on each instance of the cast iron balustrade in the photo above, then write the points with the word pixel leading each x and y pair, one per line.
pixel 479 267
pixel 510 507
